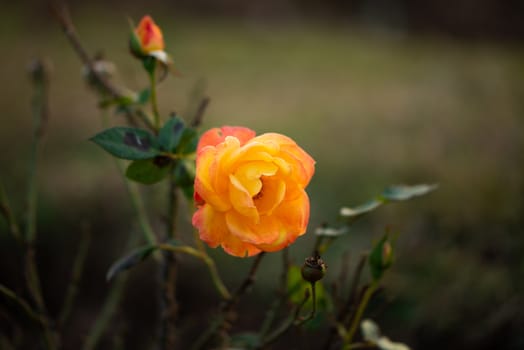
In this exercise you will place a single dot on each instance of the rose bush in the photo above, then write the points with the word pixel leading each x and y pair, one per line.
pixel 250 190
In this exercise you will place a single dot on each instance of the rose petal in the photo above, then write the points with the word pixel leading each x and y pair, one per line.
pixel 294 214
pixel 211 225
pixel 204 184
pixel 241 200
pixel 215 136
pixel 234 246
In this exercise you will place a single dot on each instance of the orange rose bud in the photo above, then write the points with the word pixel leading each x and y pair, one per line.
pixel 149 36
pixel 250 190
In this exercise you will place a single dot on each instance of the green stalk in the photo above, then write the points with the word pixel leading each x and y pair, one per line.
pixel 358 315
pixel 154 101
pixel 134 195
pixel 168 271
pixel 7 212
pixel 215 277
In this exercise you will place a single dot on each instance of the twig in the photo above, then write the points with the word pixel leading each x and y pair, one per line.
pixel 286 325
pixel 248 281
pixel 78 268
pixel 217 281
pixel 344 268
pixel 281 295
pixel 350 303
pixel 64 19
pixel 358 315
pixel 110 306
pixel 199 115
pixel 345 311
pixel 22 304
pixel 40 319
pixel 40 76
pixel 224 315
pixel 7 212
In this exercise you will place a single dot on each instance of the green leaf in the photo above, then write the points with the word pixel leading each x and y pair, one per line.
pixel 127 143
pixel 143 96
pixel 403 192
pixel 135 257
pixel 185 172
pixel 393 193
pixel 184 175
pixel 327 231
pixel 360 210
pixel 381 257
pixel 171 134
pixel 149 171
pixel 188 143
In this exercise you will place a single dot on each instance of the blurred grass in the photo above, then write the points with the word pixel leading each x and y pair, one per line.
pixel 373 109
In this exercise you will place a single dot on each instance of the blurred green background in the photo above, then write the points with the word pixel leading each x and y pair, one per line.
pixel 378 93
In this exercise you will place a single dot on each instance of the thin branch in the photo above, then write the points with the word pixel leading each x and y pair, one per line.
pixel 22 305
pixel 248 281
pixel 110 306
pixel 33 315
pixel 40 76
pixel 78 268
pixel 224 315
pixel 199 115
pixel 346 311
pixel 7 212
pixel 350 303
pixel 64 19
pixel 344 268
pixel 358 315
pixel 281 295
pixel 291 321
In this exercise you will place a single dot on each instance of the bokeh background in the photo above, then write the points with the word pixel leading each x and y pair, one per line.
pixel 378 92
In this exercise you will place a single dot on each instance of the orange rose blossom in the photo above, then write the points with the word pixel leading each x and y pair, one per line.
pixel 249 190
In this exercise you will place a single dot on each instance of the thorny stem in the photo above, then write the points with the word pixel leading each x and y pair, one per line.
pixel 358 315
pixel 168 271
